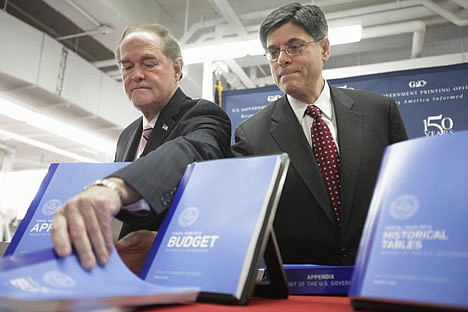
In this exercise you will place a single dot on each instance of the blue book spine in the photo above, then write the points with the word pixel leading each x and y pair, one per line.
pixel 31 211
pixel 165 224
pixel 367 237
pixel 61 182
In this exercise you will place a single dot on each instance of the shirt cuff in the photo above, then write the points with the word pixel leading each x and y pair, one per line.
pixel 140 206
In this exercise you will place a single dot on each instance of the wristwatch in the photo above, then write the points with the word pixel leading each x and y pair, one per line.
pixel 109 184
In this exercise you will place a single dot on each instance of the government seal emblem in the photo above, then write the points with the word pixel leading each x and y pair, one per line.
pixel 404 207
pixel 58 279
pixel 51 207
pixel 189 216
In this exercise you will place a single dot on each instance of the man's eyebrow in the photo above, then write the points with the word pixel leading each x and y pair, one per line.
pixel 287 42
pixel 149 57
pixel 145 57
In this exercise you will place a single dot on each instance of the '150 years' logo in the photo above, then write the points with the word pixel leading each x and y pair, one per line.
pixel 438 125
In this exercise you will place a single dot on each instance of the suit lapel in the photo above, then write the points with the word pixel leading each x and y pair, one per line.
pixel 284 127
pixel 165 123
pixel 161 130
pixel 131 141
pixel 350 136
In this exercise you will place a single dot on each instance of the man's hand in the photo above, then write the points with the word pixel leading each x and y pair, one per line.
pixel 134 247
pixel 83 223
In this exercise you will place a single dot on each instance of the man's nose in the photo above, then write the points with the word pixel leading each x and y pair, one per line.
pixel 138 73
pixel 283 57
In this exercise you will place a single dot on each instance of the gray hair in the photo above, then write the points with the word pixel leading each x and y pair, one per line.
pixel 170 45
pixel 310 17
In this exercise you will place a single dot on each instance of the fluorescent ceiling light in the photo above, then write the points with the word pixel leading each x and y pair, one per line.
pixel 45 146
pixel 56 127
pixel 200 53
pixel 345 34
pixel 221 51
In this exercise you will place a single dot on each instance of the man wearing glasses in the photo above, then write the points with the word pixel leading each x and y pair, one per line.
pixel 335 139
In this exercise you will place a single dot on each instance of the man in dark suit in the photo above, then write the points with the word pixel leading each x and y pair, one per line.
pixel 362 123
pixel 174 131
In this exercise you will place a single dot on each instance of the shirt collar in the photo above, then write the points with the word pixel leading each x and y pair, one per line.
pixel 323 102
pixel 151 122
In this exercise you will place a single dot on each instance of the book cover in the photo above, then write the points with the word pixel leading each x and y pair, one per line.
pixel 218 226
pixel 61 182
pixel 40 281
pixel 413 253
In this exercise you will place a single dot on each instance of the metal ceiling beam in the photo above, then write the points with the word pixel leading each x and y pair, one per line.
pixel 462 3
pixel 237 69
pixel 226 10
pixel 454 18
pixel 418 28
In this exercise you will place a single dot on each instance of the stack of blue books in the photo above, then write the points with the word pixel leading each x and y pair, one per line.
pixel 209 247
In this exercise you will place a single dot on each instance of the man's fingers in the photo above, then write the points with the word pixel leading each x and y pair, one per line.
pixel 84 223
pixel 94 227
pixel 128 241
pixel 79 235
pixel 100 233
pixel 60 238
pixel 138 240
pixel 104 220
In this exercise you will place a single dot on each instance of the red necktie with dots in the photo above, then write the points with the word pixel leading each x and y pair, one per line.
pixel 328 159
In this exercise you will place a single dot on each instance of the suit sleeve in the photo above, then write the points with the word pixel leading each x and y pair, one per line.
pixel 397 128
pixel 204 132
pixel 241 145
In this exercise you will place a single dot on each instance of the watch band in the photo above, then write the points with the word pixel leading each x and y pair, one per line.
pixel 109 184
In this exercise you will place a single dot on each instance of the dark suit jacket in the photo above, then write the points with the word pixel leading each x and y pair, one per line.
pixel 186 131
pixel 304 225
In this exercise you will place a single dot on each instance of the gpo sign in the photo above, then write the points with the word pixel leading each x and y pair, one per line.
pixel 417 83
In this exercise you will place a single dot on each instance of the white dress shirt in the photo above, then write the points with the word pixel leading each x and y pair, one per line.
pixel 325 104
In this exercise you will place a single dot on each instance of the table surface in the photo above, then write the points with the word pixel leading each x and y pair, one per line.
pixel 293 303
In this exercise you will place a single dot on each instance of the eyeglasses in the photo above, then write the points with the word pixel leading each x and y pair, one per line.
pixel 292 49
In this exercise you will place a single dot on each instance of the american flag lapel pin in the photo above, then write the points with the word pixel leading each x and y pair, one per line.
pixel 165 126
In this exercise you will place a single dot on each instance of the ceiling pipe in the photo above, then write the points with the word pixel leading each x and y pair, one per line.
pixel 84 13
pixel 404 8
pixel 101 30
pixel 462 3
pixel 445 13
pixel 379 8
pixel 239 71
pixel 416 27
pixel 199 26
pixel 230 15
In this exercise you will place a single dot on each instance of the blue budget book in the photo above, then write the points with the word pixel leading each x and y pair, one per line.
pixel 413 253
pixel 40 281
pixel 62 182
pixel 218 227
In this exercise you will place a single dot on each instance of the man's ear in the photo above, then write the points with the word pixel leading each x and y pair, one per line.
pixel 325 45
pixel 178 64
